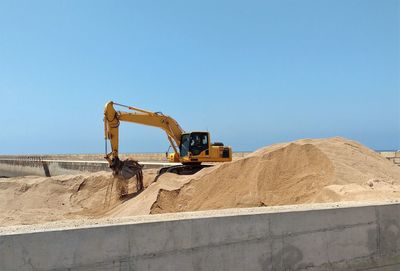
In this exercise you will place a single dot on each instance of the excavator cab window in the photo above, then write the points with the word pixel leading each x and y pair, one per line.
pixel 185 145
pixel 198 142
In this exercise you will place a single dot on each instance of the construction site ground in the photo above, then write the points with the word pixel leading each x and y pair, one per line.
pixel 309 171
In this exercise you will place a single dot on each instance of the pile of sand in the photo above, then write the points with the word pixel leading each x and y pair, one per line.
pixel 304 171
pixel 32 199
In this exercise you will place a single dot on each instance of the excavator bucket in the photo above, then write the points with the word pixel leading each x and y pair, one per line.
pixel 128 169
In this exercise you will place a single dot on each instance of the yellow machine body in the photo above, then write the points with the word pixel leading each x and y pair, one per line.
pixel 210 153
pixel 189 148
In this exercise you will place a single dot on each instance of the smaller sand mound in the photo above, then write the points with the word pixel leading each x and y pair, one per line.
pixel 142 203
pixel 305 171
pixel 30 200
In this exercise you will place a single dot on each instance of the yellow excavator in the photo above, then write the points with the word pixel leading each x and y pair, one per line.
pixel 190 149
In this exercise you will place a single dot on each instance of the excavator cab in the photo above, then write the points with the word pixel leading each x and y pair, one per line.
pixel 194 144
pixel 196 147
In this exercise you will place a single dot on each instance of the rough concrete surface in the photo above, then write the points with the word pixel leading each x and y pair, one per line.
pixel 36 166
pixel 303 238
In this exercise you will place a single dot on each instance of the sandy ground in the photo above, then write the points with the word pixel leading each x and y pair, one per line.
pixel 300 172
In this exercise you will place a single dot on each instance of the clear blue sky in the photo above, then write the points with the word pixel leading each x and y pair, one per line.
pixel 251 72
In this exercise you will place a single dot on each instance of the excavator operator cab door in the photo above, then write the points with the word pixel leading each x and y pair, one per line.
pixel 195 143
pixel 185 145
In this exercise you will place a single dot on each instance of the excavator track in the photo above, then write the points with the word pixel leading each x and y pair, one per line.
pixel 181 170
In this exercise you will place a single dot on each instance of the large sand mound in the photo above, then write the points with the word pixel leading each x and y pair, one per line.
pixel 304 171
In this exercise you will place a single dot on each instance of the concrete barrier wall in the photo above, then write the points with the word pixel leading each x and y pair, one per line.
pixel 393 156
pixel 148 157
pixel 40 167
pixel 346 238
pixel 11 165
pixel 154 157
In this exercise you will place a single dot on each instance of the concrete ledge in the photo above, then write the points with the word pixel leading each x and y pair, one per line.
pixel 287 238
pixel 12 167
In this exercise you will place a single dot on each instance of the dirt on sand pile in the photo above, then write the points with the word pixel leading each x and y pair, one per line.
pixel 304 171
pixel 33 199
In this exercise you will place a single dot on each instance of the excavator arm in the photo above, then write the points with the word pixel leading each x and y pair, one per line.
pixel 112 119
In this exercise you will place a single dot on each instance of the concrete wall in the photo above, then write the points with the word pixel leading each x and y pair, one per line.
pixel 40 167
pixel 346 238
pixel 11 165
pixel 147 157
pixel 393 156
pixel 153 157
pixel 35 165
